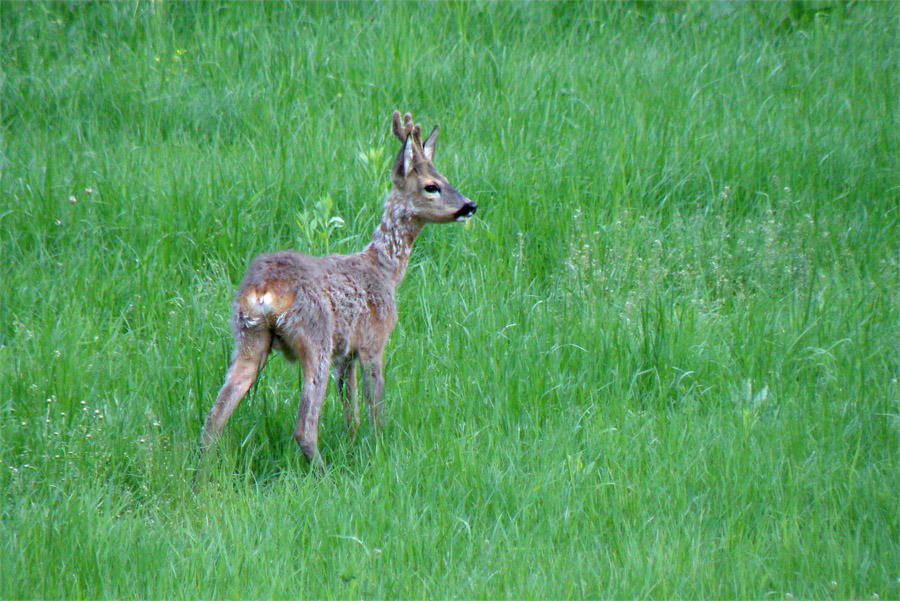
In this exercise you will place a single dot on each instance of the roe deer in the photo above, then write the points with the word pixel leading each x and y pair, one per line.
pixel 338 309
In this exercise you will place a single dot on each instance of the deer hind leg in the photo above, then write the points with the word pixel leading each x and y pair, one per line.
pixel 373 389
pixel 250 353
pixel 346 383
pixel 316 368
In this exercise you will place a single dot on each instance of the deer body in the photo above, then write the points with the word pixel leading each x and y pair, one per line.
pixel 337 310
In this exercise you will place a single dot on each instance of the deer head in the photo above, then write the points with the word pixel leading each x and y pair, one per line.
pixel 425 194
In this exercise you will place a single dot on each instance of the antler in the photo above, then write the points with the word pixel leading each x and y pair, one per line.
pixel 407 127
pixel 402 130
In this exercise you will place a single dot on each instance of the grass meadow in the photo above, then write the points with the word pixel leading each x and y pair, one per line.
pixel 661 362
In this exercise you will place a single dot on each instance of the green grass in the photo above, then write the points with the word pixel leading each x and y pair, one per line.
pixel 662 361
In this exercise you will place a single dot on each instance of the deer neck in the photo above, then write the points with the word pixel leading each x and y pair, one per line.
pixel 393 239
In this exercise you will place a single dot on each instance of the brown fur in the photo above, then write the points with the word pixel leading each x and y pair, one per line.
pixel 340 309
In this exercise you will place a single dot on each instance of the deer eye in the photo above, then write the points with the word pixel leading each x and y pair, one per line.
pixel 432 189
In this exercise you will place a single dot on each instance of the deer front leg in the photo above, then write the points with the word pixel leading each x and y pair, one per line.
pixel 373 388
pixel 315 379
pixel 346 383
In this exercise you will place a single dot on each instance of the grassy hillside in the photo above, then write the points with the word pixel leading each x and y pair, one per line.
pixel 662 362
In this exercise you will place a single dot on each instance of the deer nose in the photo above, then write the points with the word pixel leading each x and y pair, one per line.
pixel 466 211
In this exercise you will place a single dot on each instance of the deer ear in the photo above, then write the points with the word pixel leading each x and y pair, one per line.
pixel 409 156
pixel 405 163
pixel 430 143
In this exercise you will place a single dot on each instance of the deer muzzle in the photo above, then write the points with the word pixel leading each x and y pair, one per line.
pixel 466 211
